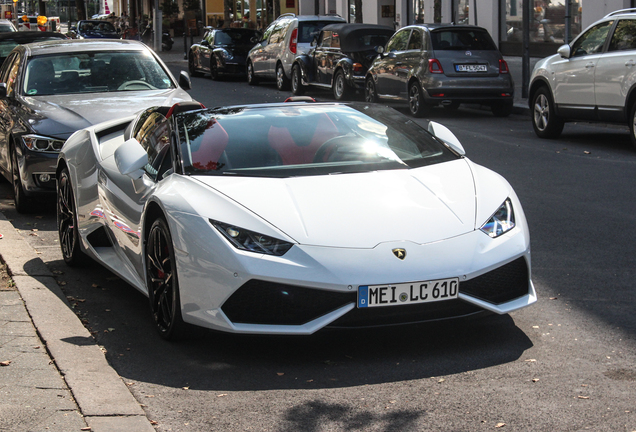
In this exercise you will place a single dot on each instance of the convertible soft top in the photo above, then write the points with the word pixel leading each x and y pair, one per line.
pixel 351 35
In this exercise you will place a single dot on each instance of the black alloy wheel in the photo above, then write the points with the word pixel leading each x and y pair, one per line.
pixel 282 82
pixel 23 204
pixel 417 106
pixel 544 121
pixel 67 223
pixel 297 87
pixel 341 90
pixel 251 77
pixel 191 67
pixel 162 281
pixel 370 94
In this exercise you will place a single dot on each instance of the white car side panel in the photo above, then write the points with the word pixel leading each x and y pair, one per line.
pixel 574 80
pixel 615 74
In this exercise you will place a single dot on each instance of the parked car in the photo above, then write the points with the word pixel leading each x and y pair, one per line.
pixel 8 41
pixel 265 219
pixel 339 59
pixel 222 51
pixel 50 89
pixel 590 79
pixel 285 38
pixel 94 29
pixel 6 26
pixel 441 64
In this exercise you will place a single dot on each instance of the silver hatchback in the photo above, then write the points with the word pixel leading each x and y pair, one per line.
pixel 441 64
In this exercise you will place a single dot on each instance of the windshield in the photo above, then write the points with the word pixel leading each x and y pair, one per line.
pixel 99 27
pixel 304 140
pixel 462 39
pixel 7 28
pixel 94 73
pixel 234 37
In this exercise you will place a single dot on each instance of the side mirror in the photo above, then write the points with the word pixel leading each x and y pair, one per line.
pixel 379 49
pixel 184 80
pixel 205 42
pixel 564 51
pixel 3 90
pixel 444 133
pixel 130 158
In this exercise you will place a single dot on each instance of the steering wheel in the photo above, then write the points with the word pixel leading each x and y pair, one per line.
pixel 136 85
pixel 330 147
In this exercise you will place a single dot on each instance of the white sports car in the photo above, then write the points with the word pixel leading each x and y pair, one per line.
pixel 287 218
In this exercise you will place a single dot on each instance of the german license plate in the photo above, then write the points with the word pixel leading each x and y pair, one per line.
pixel 407 293
pixel 470 68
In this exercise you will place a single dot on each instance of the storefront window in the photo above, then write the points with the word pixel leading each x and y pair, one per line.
pixel 547 22
pixel 462 11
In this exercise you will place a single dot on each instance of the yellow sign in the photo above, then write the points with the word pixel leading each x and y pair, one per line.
pixel 42 20
pixel 25 18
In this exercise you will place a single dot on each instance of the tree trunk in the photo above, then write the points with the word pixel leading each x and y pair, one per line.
pixel 81 9
pixel 358 4
pixel 227 9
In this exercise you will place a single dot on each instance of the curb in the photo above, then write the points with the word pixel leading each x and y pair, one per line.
pixel 102 397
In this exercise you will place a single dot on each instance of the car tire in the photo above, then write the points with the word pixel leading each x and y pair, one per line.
pixel 23 204
pixel 282 82
pixel 214 71
pixel 417 106
pixel 162 282
pixel 544 121
pixel 341 90
pixel 297 87
pixel 632 125
pixel 251 77
pixel 191 67
pixel 501 109
pixel 370 92
pixel 67 223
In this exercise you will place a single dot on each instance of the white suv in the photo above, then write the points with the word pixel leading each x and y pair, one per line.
pixel 591 79
pixel 289 35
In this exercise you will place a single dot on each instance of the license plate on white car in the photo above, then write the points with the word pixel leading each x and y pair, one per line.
pixel 471 68
pixel 407 293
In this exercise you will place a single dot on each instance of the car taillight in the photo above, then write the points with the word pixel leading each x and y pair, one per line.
pixel 357 67
pixel 434 66
pixel 293 41
pixel 503 67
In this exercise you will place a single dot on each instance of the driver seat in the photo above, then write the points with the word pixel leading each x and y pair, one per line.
pixel 121 69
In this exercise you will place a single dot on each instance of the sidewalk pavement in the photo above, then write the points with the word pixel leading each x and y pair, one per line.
pixel 53 376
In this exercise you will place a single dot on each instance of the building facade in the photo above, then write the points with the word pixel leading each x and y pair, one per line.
pixel 502 18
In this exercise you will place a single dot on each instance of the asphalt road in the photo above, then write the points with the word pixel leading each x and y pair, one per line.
pixel 568 363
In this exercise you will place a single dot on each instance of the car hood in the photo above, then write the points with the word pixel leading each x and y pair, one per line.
pixel 61 115
pixel 362 210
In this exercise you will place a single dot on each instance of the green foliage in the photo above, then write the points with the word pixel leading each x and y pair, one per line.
pixel 191 5
pixel 169 7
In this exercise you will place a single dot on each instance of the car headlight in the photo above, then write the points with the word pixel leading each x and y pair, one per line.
pixel 252 241
pixel 42 143
pixel 501 222
pixel 226 55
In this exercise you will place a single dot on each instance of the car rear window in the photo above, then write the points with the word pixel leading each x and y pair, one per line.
pixel 308 30
pixel 462 39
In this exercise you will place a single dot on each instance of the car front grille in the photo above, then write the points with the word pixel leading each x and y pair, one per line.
pixel 261 302
pixel 500 285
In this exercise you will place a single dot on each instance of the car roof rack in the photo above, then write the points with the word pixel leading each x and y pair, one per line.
pixel 621 11
pixel 293 15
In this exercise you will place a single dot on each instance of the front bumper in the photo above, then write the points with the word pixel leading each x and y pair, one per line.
pixel 311 287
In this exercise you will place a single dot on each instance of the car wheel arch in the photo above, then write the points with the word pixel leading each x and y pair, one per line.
pixel 536 85
pixel 630 100
pixel 153 211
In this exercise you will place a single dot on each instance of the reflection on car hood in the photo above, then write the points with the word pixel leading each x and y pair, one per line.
pixel 61 115
pixel 362 210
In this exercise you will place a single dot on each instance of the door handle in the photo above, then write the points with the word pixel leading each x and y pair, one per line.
pixel 589 65
pixel 630 63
